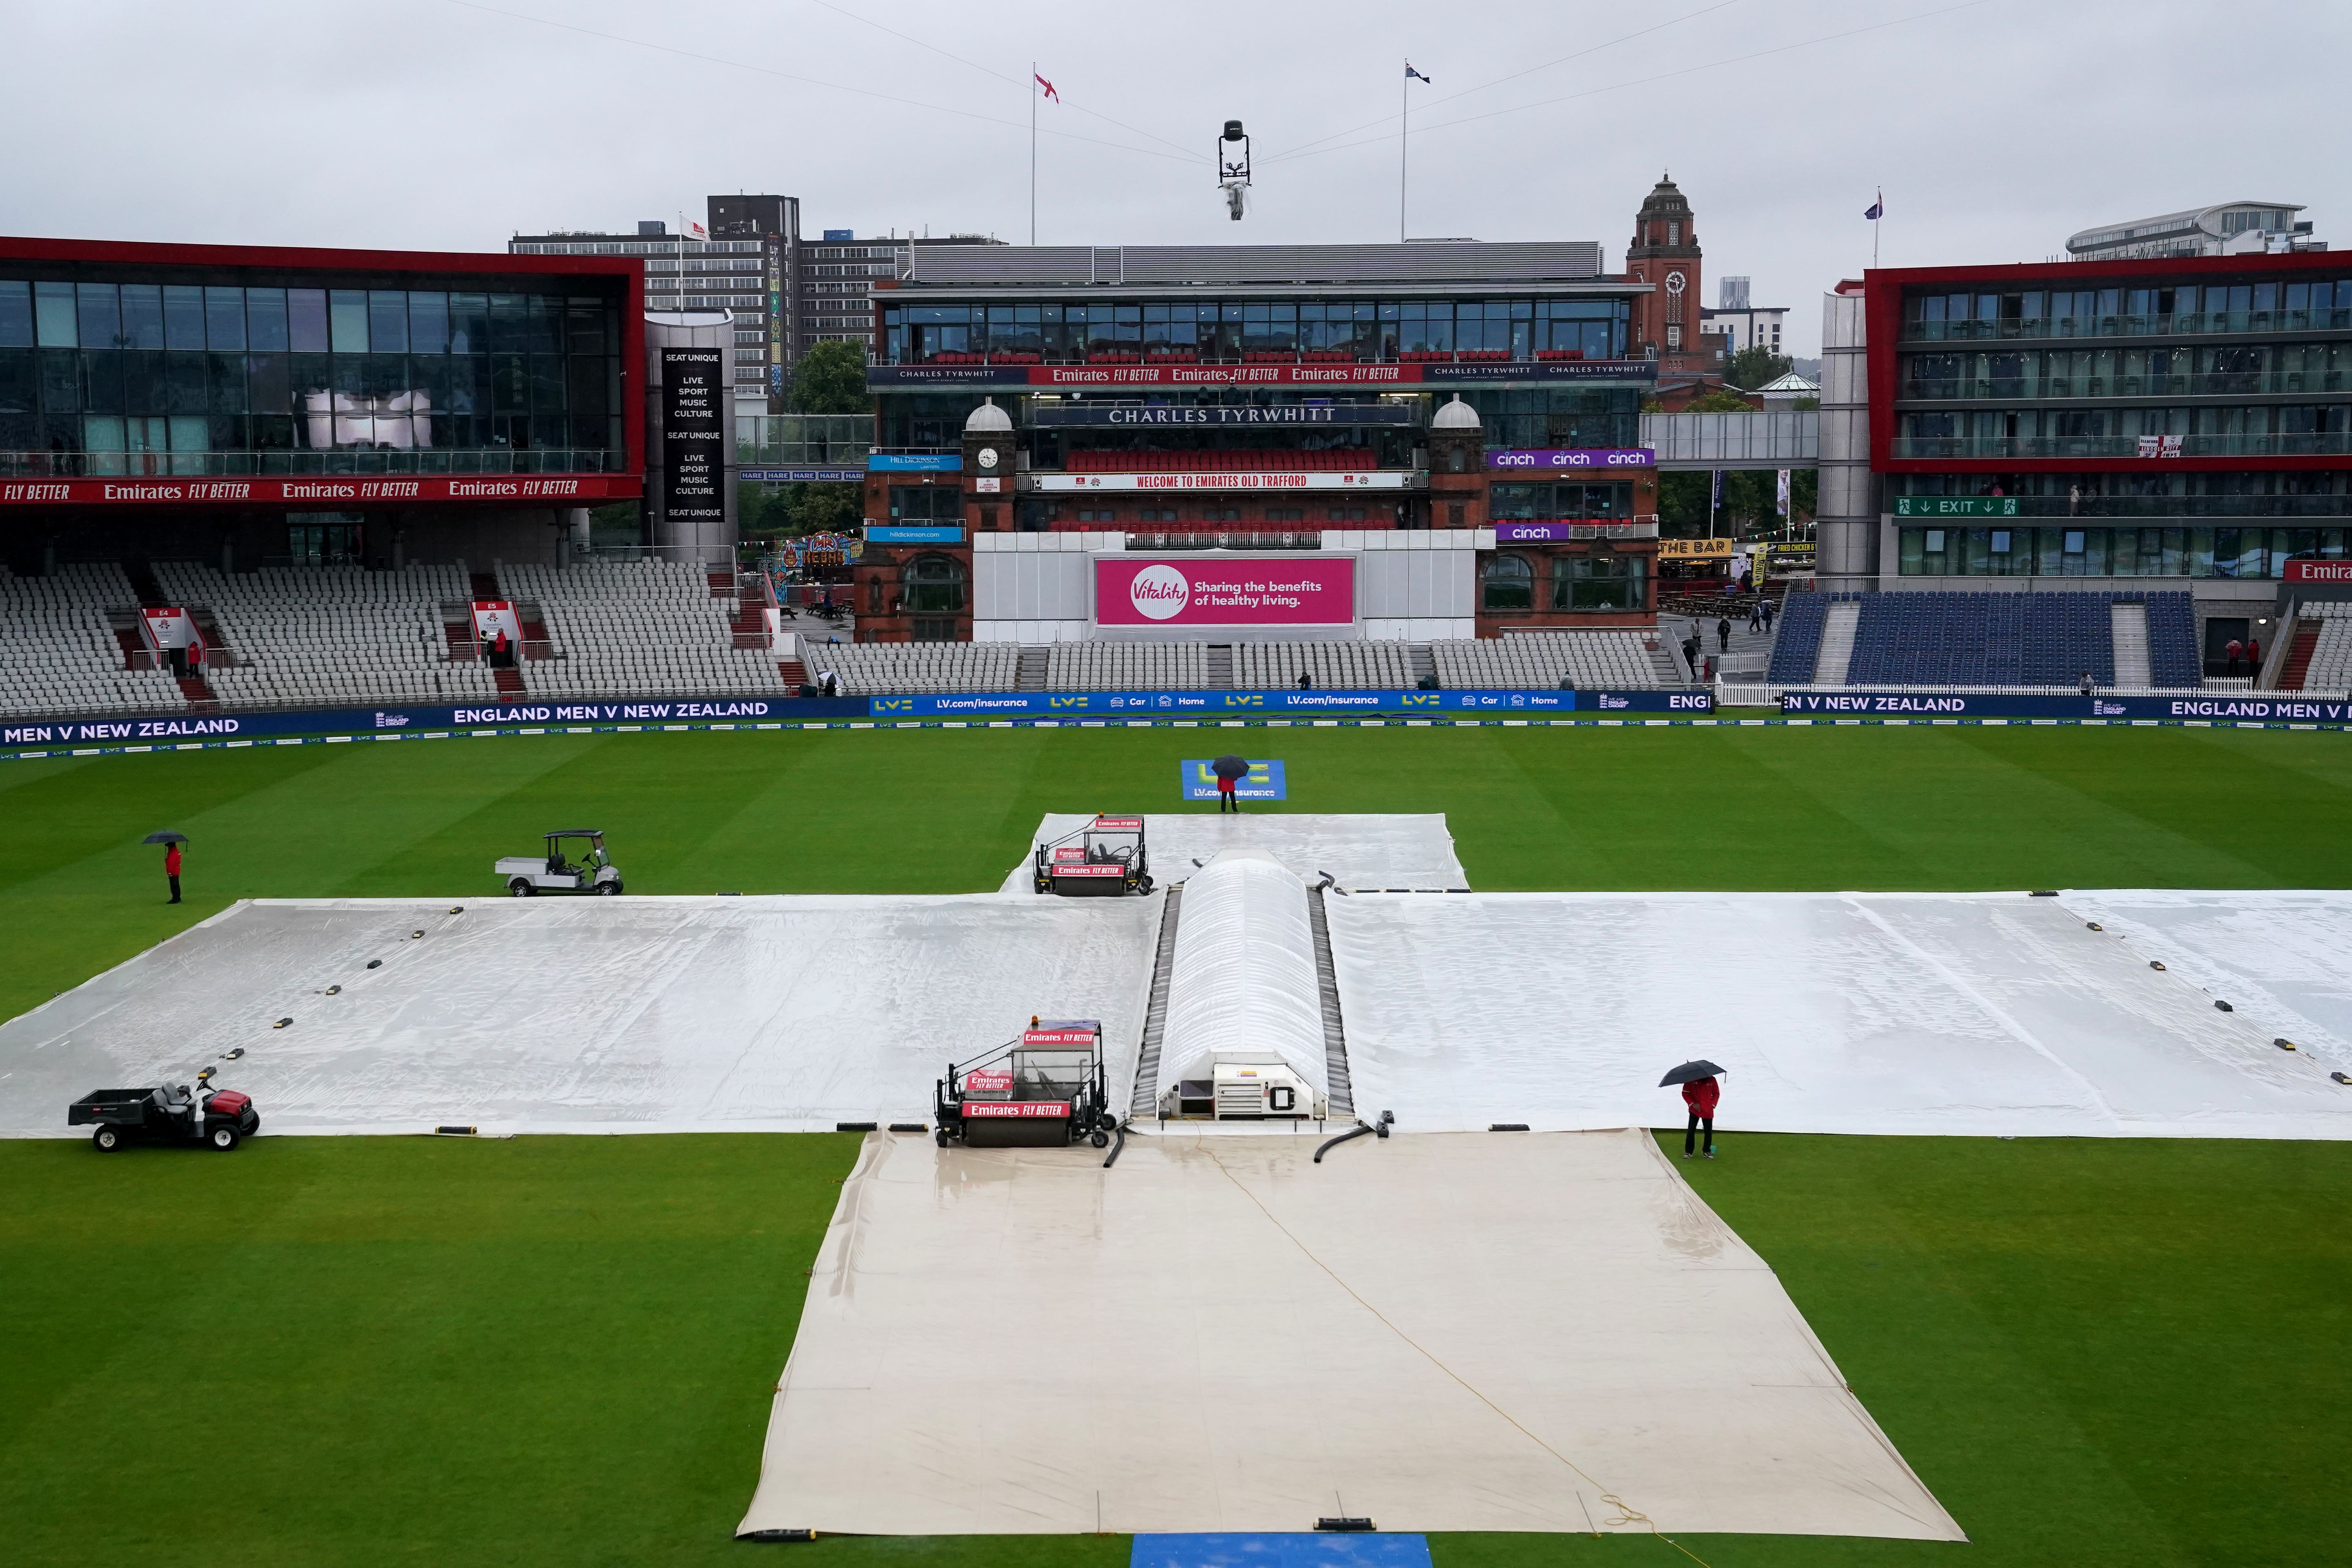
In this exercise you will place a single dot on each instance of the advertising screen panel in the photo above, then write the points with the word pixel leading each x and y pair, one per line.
pixel 1271 590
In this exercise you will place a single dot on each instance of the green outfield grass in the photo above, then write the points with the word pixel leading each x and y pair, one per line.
pixel 889 811
pixel 559 1350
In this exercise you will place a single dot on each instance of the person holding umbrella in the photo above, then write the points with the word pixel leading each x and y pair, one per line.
pixel 171 842
pixel 1700 1093
pixel 1230 771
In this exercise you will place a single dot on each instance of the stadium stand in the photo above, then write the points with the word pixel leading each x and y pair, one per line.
pixel 1940 639
pixel 1127 667
pixel 635 626
pixel 319 637
pixel 1381 666
pixel 60 653
pixel 868 669
pixel 2330 668
pixel 1595 658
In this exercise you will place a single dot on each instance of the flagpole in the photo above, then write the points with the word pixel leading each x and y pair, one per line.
pixel 1404 129
pixel 1033 152
pixel 1873 230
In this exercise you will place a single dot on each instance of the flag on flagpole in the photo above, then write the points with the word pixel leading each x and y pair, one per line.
pixel 1048 87
pixel 1413 75
pixel 697 231
pixel 1878 208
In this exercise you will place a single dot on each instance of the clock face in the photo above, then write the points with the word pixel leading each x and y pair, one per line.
pixel 988 457
pixel 1673 282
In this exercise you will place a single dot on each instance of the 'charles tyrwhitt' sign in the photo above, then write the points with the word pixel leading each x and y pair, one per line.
pixel 693 436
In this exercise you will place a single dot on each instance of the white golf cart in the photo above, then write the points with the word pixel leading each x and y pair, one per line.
pixel 593 872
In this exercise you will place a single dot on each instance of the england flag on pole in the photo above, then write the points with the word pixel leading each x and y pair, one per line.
pixel 1877 210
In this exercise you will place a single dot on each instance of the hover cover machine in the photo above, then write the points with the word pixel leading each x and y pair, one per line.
pixel 1103 859
pixel 1041 1090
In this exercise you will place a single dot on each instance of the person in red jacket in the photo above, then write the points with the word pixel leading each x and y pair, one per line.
pixel 171 869
pixel 1701 1094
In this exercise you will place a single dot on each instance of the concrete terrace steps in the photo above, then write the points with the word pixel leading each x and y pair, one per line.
pixel 1837 643
pixel 1032 669
pixel 2298 656
pixel 2127 626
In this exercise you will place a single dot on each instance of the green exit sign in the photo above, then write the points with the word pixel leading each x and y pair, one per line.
pixel 1956 506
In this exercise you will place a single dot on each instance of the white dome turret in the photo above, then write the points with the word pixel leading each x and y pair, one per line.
pixel 988 419
pixel 1456 416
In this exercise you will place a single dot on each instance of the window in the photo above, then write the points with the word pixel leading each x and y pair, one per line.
pixel 1096 514
pixel 1343 514
pixel 926 504
pixel 1220 514
pixel 935 585
pixel 1508 585
pixel 1156 514
pixel 1599 582
pixel 322 539
pixel 1285 514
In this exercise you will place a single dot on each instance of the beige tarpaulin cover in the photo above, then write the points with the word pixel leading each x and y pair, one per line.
pixel 1542 1331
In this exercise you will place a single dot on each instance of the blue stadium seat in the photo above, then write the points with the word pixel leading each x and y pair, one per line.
pixel 1989 638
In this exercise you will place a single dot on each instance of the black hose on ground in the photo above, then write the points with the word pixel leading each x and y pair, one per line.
pixel 1120 1133
pixel 1361 1130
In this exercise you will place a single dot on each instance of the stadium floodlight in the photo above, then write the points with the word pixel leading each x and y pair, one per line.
pixel 1233 168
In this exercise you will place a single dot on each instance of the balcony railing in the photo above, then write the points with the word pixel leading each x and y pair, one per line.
pixel 199 464
pixel 2129 326
pixel 1963 446
pixel 2045 388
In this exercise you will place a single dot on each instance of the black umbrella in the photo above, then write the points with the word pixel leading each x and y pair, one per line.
pixel 1690 1072
pixel 1231 767
pixel 166 836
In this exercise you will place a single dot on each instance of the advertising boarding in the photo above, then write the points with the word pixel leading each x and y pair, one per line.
pixel 1274 591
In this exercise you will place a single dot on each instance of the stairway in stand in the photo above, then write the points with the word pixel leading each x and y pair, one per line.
pixel 1031 674
pixel 1218 667
pixel 2299 658
pixel 486 587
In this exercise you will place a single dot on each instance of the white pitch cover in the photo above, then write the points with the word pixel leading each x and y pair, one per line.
pixel 1506 1332
pixel 1244 976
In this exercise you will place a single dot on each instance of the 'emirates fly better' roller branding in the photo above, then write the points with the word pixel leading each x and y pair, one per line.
pixel 1280 591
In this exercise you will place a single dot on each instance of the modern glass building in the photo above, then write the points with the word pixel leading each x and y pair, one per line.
pixel 2128 420
pixel 140 379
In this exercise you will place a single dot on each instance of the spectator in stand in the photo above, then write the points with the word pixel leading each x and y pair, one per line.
pixel 1304 680
pixel 2086 683
pixel 2235 651
pixel 1691 645
pixel 1701 1095
pixel 1723 635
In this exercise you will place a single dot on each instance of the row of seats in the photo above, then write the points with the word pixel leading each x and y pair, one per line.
pixel 2330 669
pixel 1583 660
pixel 1253 459
pixel 1942 638
pixel 868 669
pixel 58 652
pixel 1127 667
pixel 1378 666
pixel 330 635
pixel 635 626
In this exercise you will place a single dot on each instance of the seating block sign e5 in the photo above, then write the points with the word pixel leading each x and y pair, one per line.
pixel 1263 781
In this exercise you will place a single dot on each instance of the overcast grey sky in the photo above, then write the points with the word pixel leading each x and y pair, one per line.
pixel 1996 127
